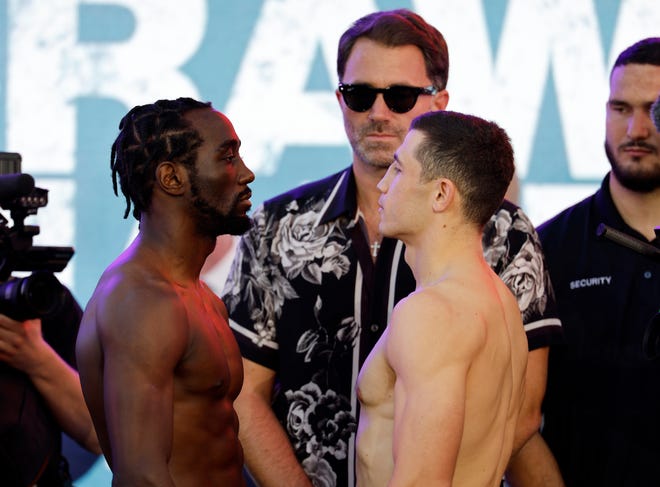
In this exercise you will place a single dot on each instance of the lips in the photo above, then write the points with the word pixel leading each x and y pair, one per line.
pixel 380 134
pixel 636 154
pixel 639 149
pixel 245 195
pixel 244 198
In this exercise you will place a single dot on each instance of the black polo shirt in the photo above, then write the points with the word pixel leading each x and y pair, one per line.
pixel 602 404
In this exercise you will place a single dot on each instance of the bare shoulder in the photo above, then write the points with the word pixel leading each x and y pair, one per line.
pixel 133 306
pixel 431 324
pixel 438 309
pixel 428 308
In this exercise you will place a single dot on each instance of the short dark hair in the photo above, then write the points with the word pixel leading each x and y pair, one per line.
pixel 394 28
pixel 646 51
pixel 149 135
pixel 473 153
pixel 655 113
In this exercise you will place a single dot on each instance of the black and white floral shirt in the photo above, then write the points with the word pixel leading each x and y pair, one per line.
pixel 306 300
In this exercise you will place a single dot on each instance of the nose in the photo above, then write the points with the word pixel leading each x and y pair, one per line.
pixel 639 125
pixel 379 110
pixel 382 184
pixel 246 176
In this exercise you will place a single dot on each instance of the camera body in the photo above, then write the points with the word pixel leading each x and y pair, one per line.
pixel 40 293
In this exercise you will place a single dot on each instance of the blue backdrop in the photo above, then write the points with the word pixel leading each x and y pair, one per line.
pixel 69 70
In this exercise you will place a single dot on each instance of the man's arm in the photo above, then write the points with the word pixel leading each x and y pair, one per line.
pixel 268 452
pixel 523 269
pixel 529 420
pixel 430 357
pixel 534 466
pixel 23 347
pixel 532 463
pixel 143 334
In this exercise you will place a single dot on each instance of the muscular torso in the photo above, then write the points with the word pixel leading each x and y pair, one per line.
pixel 493 382
pixel 195 383
pixel 207 381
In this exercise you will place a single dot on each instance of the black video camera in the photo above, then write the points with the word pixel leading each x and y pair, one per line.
pixel 40 294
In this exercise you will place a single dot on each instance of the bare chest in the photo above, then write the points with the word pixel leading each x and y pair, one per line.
pixel 212 363
pixel 375 384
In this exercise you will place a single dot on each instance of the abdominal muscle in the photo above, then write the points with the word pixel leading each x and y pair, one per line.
pixel 375 463
pixel 205 445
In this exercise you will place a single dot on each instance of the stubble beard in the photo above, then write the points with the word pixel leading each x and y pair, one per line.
pixel 212 222
pixel 375 154
pixel 635 178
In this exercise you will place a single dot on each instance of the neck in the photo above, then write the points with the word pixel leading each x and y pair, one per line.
pixel 433 258
pixel 640 211
pixel 178 251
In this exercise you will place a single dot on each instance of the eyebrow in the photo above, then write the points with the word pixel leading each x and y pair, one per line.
pixel 229 144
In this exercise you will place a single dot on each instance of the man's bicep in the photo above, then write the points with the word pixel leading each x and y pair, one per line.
pixel 430 361
pixel 142 345
pixel 428 426
pixel 138 405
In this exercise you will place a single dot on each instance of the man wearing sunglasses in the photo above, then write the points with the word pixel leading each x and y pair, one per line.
pixel 313 283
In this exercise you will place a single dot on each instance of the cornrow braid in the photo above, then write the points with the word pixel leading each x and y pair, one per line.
pixel 149 135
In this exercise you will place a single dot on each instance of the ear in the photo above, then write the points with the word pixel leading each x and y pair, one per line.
pixel 171 178
pixel 440 100
pixel 444 194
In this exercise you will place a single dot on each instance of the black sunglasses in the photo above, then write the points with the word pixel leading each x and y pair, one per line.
pixel 399 99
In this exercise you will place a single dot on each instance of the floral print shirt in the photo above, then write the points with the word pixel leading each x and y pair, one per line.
pixel 306 300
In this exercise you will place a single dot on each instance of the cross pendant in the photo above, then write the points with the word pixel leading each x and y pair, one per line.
pixel 374 249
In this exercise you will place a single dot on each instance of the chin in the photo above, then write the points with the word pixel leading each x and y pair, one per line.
pixel 384 230
pixel 237 225
pixel 225 225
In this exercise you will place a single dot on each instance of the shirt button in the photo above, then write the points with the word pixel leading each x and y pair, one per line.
pixel 647 274
pixel 374 327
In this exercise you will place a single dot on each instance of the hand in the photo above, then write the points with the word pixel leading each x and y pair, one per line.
pixel 21 343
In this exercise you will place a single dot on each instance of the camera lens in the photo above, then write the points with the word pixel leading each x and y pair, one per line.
pixel 37 295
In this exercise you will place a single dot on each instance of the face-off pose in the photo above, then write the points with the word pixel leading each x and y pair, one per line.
pixel 159 366
pixel 442 389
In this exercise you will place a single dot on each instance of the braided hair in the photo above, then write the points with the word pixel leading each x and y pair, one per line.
pixel 149 135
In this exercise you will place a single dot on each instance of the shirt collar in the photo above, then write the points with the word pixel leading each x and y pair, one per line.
pixel 343 199
pixel 609 215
